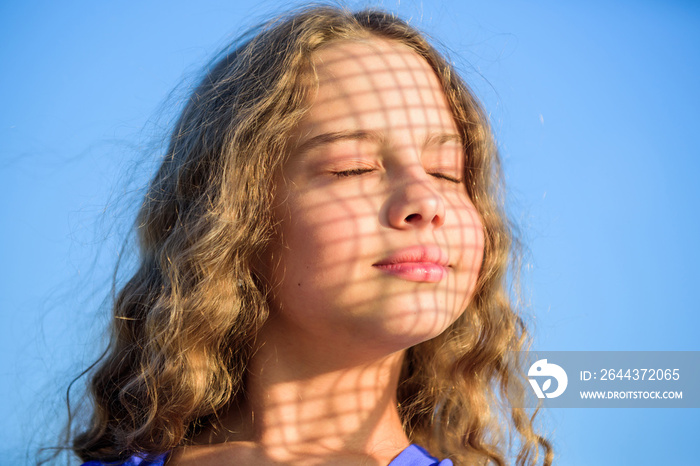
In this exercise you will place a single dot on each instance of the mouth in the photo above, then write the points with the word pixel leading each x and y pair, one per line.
pixel 427 264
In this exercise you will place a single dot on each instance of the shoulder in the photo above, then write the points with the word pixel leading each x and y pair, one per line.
pixel 415 455
pixel 141 459
pixel 200 455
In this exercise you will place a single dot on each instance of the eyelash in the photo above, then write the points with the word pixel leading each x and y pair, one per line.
pixel 442 176
pixel 353 172
pixel 362 171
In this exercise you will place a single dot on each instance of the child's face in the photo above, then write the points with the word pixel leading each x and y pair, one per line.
pixel 381 245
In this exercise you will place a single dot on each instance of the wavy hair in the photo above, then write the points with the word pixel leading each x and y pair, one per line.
pixel 184 325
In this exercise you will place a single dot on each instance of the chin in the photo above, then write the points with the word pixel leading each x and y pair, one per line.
pixel 409 327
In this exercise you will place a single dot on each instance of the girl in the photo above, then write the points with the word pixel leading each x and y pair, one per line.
pixel 322 269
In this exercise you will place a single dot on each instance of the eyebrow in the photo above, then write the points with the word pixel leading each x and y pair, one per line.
pixel 335 136
pixel 373 136
pixel 442 138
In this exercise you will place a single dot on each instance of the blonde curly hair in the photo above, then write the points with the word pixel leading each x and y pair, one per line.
pixel 185 323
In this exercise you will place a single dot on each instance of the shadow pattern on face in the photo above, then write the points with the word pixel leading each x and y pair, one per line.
pixel 356 299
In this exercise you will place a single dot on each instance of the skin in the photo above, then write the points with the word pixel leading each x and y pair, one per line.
pixel 378 168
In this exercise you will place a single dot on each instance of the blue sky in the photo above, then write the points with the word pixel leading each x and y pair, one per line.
pixel 594 105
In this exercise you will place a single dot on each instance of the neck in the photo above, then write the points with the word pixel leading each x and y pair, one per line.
pixel 319 404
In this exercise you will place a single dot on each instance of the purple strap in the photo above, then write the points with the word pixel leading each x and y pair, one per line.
pixel 411 456
pixel 417 456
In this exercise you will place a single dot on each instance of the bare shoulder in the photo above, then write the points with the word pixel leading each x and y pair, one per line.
pixel 240 453
pixel 250 454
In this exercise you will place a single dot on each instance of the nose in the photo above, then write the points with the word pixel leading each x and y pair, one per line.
pixel 415 203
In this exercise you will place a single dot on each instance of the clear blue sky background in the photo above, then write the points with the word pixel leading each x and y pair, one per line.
pixel 595 106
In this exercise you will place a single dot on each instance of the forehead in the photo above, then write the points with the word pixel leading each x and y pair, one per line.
pixel 376 84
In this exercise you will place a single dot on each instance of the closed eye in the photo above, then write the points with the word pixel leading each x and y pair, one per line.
pixel 353 172
pixel 442 176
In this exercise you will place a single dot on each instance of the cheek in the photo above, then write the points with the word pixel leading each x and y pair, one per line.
pixel 327 230
pixel 465 233
pixel 473 239
pixel 320 238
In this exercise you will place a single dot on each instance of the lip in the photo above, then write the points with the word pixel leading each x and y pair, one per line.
pixel 427 264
